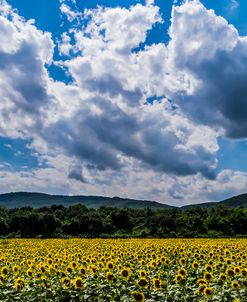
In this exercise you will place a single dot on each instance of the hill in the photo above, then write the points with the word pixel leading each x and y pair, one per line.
pixel 232 202
pixel 38 200
pixel 235 201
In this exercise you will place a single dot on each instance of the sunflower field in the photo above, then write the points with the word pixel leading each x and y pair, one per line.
pixel 126 270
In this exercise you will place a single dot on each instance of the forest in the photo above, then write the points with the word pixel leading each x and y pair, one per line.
pixel 106 222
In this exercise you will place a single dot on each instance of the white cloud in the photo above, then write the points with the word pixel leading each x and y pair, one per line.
pixel 234 4
pixel 98 134
pixel 65 46
pixel 69 13
pixel 23 76
pixel 209 53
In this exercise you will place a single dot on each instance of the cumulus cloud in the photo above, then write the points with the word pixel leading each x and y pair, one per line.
pixel 24 51
pixel 211 55
pixel 76 172
pixel 115 118
pixel 130 116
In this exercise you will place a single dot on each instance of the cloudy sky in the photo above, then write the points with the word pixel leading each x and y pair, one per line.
pixel 140 99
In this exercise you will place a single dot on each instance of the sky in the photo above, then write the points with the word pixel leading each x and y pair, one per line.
pixel 129 98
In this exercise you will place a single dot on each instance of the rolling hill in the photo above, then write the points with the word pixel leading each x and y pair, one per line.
pixel 232 202
pixel 38 200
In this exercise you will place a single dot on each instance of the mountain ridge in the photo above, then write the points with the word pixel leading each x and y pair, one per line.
pixel 38 200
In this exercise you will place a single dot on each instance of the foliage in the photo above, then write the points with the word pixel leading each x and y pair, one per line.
pixel 106 222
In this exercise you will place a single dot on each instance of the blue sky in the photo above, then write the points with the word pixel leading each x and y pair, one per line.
pixel 79 108
pixel 16 154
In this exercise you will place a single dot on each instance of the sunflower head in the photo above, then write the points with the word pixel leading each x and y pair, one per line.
pixel 82 270
pixel 69 269
pixel 223 277
pixel 4 271
pixel 200 282
pixel 182 271
pixel 157 283
pixel 142 273
pixel 138 297
pixel 208 268
pixel 125 273
pixel 19 284
pixel 109 276
pixel 78 284
pixel 142 282
pixel 179 279
pixel 208 292
pixel 110 265
pixel 195 265
pixel 235 285
pixel 230 272
pixel 65 282
pixel 208 276
pixel 29 272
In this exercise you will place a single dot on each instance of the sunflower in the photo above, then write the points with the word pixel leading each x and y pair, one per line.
pixel 38 275
pixel 210 262
pixel 2 278
pixel 29 272
pixel 178 279
pixel 235 285
pixel 95 275
pixel 230 272
pixel 182 271
pixel 236 270
pixel 125 273
pixel 66 282
pixel 69 269
pixel 142 273
pixel 142 283
pixel 208 276
pixel 42 268
pixel 93 268
pixel 195 265
pixel 19 284
pixel 78 284
pixel 223 277
pixel 74 264
pixel 109 276
pixel 110 265
pixel 138 297
pixel 82 270
pixel 4 271
pixel 208 268
pixel 208 292
pixel 201 282
pixel 228 261
pixel 156 283
pixel 15 269
pixel 202 288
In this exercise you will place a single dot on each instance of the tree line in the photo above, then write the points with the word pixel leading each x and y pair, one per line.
pixel 107 222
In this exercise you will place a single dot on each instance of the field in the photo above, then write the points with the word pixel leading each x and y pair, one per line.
pixel 123 270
